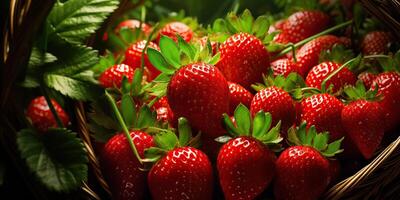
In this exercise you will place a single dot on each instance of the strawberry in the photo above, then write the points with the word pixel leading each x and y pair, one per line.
pixel 335 169
pixel 237 95
pixel 41 116
pixel 246 164
pixel 164 112
pixel 301 25
pixel 360 119
pixel 308 55
pixel 302 170
pixel 276 101
pixel 200 93
pixel 133 24
pixel 388 84
pixel 283 66
pixel 112 77
pixel 376 42
pixel 121 169
pixel 321 71
pixel 133 56
pixel 277 26
pixel 173 28
pixel 323 111
pixel 367 78
pixel 243 59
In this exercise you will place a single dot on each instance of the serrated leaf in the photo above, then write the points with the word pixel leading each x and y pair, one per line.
pixel 75 89
pixel 243 119
pixel 75 20
pixel 158 61
pixel 184 130
pixel 38 59
pixel 58 158
pixel 166 140
pixel 128 110
pixel 170 51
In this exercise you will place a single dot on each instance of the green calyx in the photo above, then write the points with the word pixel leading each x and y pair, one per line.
pixel 360 92
pixel 338 54
pixel 388 63
pixel 167 140
pixel 301 136
pixel 289 83
pixel 258 127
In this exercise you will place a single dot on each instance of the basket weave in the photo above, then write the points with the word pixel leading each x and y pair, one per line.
pixel 381 174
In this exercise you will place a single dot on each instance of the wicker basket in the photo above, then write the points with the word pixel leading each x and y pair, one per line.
pixel 378 180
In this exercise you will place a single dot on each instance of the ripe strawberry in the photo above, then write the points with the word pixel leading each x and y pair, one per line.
pixel 41 116
pixel 112 77
pixel 243 59
pixel 301 25
pixel 284 67
pixel 321 71
pixel 323 111
pixel 367 78
pixel 121 169
pixel 237 95
pixel 308 55
pixel 183 173
pixel 164 112
pixel 200 93
pixel 376 42
pixel 171 29
pixel 388 84
pixel 246 167
pixel 302 170
pixel 278 102
pixel 301 173
pixel 360 119
pixel 133 57
pixel 133 24
pixel 245 164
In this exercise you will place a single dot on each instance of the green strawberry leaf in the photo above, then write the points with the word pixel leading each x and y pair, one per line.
pixel 104 63
pixel 137 82
pixel 184 130
pixel 75 89
pixel 246 20
pixel 159 62
pixel 170 51
pixel 214 60
pixel 320 141
pixel 166 140
pixel 259 124
pixel 145 118
pixel 186 48
pixel 243 119
pixel 75 20
pixel 230 127
pixel 128 110
pixel 58 158
pixel 153 153
pixel 260 26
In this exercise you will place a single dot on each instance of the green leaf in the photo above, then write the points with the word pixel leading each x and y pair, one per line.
pixel 58 158
pixel 37 59
pixel 219 25
pixel 320 141
pixel 243 119
pixel 75 20
pixel 153 153
pixel 159 62
pixel 310 135
pixel 170 51
pixel 230 127
pixel 128 110
pixel 186 48
pixel 104 63
pixel 246 20
pixel 145 118
pixel 214 60
pixel 333 148
pixel 137 82
pixel 233 23
pixel 223 139
pixel 258 124
pixel 260 26
pixel 185 132
pixel 166 140
pixel 75 89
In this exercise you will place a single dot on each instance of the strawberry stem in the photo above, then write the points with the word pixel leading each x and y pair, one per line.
pixel 306 89
pixel 329 30
pixel 323 84
pixel 123 125
pixel 155 27
pixel 51 106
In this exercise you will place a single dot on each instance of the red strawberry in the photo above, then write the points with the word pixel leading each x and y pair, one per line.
pixel 112 77
pixel 246 167
pixel 346 42
pixel 122 169
pixel 284 66
pixel 171 29
pixel 367 78
pixel 388 84
pixel 376 42
pixel 360 119
pixel 200 93
pixel 243 59
pixel 183 173
pixel 319 72
pixel 308 55
pixel 277 102
pixel 133 57
pixel 335 168
pixel 41 116
pixel 237 95
pixel 323 111
pixel 301 25
pixel 133 24
pixel 301 173
pixel 164 112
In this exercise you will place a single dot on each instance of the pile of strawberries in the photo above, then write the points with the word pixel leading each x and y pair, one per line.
pixel 262 117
